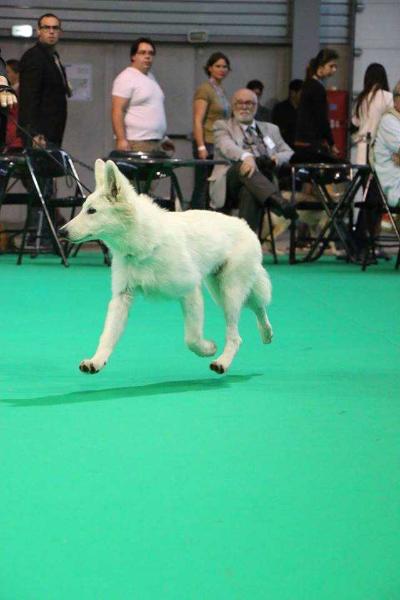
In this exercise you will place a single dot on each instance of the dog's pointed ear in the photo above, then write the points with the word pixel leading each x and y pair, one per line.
pixel 112 181
pixel 99 171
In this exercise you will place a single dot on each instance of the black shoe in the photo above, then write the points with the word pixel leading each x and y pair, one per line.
pixel 282 207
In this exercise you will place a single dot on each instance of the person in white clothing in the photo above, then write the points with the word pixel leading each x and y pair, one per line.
pixel 371 104
pixel 387 151
pixel 138 113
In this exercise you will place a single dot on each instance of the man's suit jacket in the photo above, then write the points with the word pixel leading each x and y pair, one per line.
pixel 228 145
pixel 43 95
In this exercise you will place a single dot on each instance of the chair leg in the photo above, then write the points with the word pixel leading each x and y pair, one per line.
pixel 42 202
pixel 76 250
pixel 106 254
pixel 292 243
pixel 24 234
pixel 271 232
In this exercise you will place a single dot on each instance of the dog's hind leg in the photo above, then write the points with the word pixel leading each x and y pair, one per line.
pixel 235 280
pixel 193 312
pixel 117 315
pixel 232 301
pixel 259 297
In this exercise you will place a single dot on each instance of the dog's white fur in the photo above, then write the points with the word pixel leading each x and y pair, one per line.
pixel 170 254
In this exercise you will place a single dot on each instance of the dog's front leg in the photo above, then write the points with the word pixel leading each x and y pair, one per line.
pixel 193 312
pixel 117 315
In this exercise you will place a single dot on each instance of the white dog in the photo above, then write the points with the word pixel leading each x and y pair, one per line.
pixel 170 254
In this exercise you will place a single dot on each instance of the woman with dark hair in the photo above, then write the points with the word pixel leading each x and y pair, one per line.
pixel 210 103
pixel 314 140
pixel 371 103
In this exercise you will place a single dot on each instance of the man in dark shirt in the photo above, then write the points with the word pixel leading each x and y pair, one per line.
pixel 43 86
pixel 284 113
pixel 263 114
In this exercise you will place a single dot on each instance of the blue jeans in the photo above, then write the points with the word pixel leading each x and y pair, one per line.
pixel 200 199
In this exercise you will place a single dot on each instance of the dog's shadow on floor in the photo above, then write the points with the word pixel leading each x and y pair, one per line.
pixel 150 389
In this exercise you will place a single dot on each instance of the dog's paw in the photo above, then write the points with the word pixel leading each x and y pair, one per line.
pixel 208 348
pixel 203 348
pixel 266 334
pixel 89 366
pixel 217 367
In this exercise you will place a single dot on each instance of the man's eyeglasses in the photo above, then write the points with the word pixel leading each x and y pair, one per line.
pixel 245 103
pixel 50 27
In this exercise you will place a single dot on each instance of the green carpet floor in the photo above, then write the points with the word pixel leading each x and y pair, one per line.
pixel 159 480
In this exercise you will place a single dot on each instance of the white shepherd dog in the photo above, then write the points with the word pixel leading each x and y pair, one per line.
pixel 170 254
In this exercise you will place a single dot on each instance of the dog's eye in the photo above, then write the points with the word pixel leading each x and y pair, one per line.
pixel 91 211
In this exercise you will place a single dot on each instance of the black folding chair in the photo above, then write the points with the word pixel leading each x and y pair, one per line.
pixel 320 175
pixel 144 168
pixel 35 167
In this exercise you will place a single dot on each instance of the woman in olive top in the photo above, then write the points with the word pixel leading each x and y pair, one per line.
pixel 210 103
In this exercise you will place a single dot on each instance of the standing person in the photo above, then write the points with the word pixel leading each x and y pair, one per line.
pixel 138 114
pixel 284 113
pixel 44 87
pixel 210 103
pixel 13 138
pixel 314 140
pixel 372 102
pixel 7 100
pixel 263 113
pixel 43 94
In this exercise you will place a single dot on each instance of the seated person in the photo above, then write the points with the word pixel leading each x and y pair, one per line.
pixel 255 150
pixel 387 151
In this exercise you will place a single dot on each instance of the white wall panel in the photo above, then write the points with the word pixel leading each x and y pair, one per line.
pixel 377 36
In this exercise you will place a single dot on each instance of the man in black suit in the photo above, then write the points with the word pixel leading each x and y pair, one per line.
pixel 44 87
pixel 43 94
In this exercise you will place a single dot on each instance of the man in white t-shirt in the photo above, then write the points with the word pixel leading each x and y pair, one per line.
pixel 138 114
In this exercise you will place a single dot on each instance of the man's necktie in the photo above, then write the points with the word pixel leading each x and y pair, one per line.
pixel 63 74
pixel 254 142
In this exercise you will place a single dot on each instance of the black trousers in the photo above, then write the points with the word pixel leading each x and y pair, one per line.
pixel 369 217
pixel 248 194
